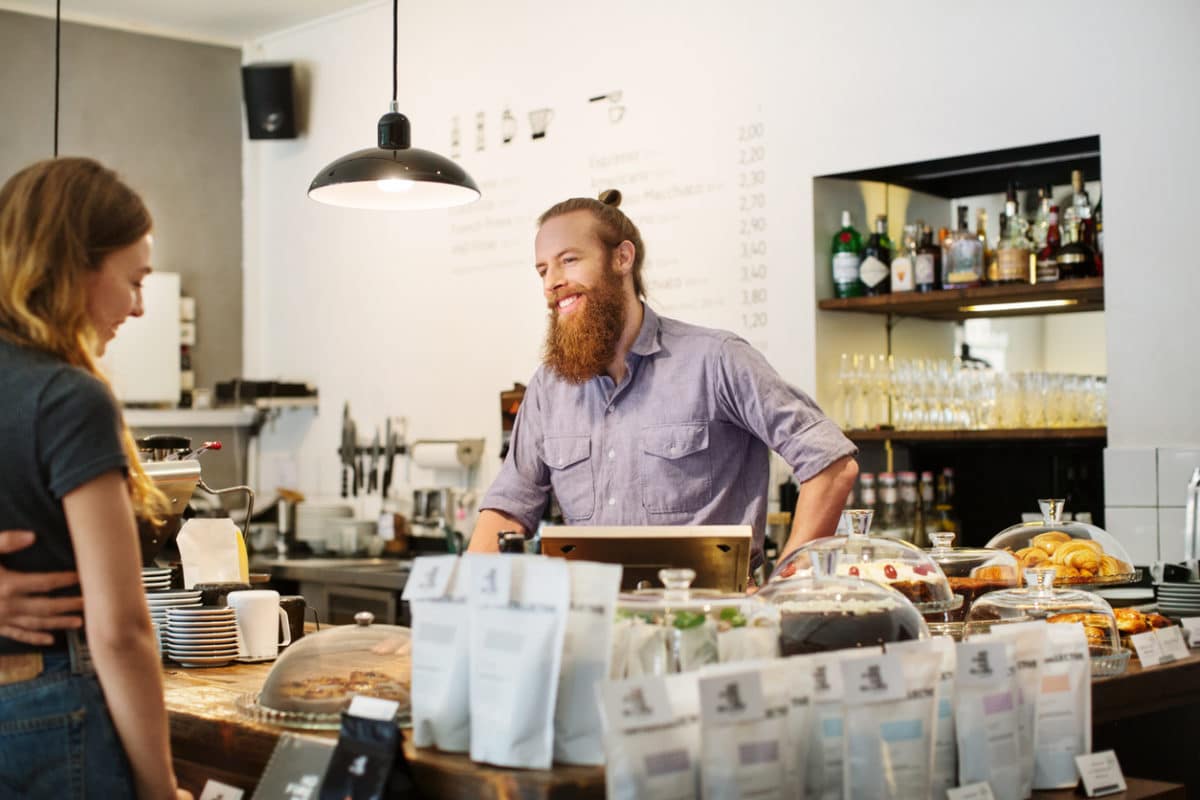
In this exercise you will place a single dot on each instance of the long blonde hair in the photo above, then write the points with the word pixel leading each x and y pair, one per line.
pixel 59 220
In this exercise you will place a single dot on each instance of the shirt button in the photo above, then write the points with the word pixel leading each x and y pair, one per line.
pixel 612 453
pixel 612 501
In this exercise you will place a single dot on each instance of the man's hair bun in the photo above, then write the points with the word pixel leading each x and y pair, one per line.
pixel 611 197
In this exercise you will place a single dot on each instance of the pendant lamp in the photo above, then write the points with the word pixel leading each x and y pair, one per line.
pixel 393 175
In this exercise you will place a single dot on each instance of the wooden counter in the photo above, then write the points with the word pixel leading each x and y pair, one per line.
pixel 211 739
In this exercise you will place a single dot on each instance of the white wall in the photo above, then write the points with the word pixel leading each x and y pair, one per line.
pixel 381 310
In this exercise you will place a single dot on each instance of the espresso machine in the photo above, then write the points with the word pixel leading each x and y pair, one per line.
pixel 174 467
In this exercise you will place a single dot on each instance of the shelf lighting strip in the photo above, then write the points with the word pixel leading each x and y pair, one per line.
pixel 1023 306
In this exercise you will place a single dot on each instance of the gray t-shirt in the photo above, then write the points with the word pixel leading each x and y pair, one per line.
pixel 682 441
pixel 59 428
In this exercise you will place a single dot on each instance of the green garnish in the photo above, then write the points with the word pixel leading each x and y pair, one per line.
pixel 688 619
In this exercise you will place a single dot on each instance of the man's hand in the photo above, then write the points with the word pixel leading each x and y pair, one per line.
pixel 24 615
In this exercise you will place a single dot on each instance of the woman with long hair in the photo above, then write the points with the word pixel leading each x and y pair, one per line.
pixel 84 714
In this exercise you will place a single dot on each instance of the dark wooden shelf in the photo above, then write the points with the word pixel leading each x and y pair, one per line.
pixel 996 435
pixel 1088 294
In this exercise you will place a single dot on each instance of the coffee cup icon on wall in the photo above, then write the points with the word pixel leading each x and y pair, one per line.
pixel 508 126
pixel 616 111
pixel 539 121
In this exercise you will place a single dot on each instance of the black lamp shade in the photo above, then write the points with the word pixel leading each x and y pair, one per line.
pixel 393 179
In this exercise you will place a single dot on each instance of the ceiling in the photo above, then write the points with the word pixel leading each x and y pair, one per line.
pixel 228 22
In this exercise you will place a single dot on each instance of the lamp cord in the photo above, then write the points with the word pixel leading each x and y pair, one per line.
pixel 57 42
pixel 395 20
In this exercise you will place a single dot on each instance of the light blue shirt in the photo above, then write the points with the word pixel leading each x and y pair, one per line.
pixel 681 441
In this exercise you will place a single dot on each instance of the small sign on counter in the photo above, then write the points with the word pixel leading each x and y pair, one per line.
pixel 1101 773
pixel 215 790
pixel 1191 629
pixel 296 768
pixel 1157 647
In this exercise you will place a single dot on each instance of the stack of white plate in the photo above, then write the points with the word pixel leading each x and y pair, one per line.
pixel 1179 599
pixel 161 602
pixel 201 637
pixel 156 579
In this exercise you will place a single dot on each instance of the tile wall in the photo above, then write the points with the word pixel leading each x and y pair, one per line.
pixel 1145 492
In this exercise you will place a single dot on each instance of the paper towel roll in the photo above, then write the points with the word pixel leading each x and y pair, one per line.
pixel 436 455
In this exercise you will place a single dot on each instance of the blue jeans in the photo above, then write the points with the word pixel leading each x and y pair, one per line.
pixel 57 739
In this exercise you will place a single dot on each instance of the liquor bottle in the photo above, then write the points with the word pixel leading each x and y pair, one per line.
pixel 910 499
pixel 989 256
pixel 1047 255
pixel 875 271
pixel 1099 217
pixel 847 256
pixel 904 261
pixel 945 518
pixel 1080 210
pixel 927 491
pixel 1075 259
pixel 962 256
pixel 1014 248
pixel 1041 220
pixel 927 265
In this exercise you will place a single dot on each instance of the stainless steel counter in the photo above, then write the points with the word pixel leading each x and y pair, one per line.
pixel 371 573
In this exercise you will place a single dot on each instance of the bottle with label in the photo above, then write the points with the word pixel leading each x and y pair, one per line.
pixel 910 500
pixel 1080 210
pixel 1041 220
pixel 866 491
pixel 962 256
pixel 1014 248
pixel 989 253
pixel 904 262
pixel 1047 255
pixel 1099 218
pixel 928 262
pixel 875 271
pixel 1075 259
pixel 943 508
pixel 847 257
pixel 889 522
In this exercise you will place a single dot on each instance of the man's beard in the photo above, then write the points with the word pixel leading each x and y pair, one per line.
pixel 582 345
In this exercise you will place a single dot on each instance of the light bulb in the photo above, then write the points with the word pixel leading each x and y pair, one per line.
pixel 394 185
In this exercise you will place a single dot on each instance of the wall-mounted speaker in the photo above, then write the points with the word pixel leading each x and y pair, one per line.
pixel 270 103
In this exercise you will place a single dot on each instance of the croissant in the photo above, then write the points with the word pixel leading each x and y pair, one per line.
pixel 1157 620
pixel 995 572
pixel 1032 556
pixel 1112 566
pixel 1050 540
pixel 1080 554
pixel 1097 636
pixel 1131 621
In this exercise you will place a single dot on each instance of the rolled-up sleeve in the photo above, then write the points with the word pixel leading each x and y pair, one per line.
pixel 754 396
pixel 522 488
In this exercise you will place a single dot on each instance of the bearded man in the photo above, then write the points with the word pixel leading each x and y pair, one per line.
pixel 637 419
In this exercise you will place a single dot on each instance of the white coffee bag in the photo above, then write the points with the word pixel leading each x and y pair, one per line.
pixel 1029 643
pixel 823 775
pixel 518 618
pixel 985 717
pixel 1064 711
pixel 436 592
pixel 639 647
pixel 587 656
pixel 743 733
pixel 651 737
pixel 891 705
pixel 945 744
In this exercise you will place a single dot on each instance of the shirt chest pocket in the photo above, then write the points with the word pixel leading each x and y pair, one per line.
pixel 676 467
pixel 569 460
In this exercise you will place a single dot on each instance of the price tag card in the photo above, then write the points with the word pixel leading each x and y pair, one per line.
pixel 373 708
pixel 1101 773
pixel 1191 629
pixel 429 577
pixel 1170 641
pixel 972 791
pixel 215 790
pixel 1149 652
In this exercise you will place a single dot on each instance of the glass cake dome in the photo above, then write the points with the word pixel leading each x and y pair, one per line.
pixel 1040 600
pixel 678 629
pixel 889 562
pixel 316 678
pixel 1082 554
pixel 820 611
pixel 971 572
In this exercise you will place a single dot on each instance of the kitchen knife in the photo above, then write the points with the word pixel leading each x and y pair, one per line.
pixel 373 476
pixel 345 449
pixel 388 456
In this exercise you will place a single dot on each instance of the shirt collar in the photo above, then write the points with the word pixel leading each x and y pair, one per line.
pixel 647 342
